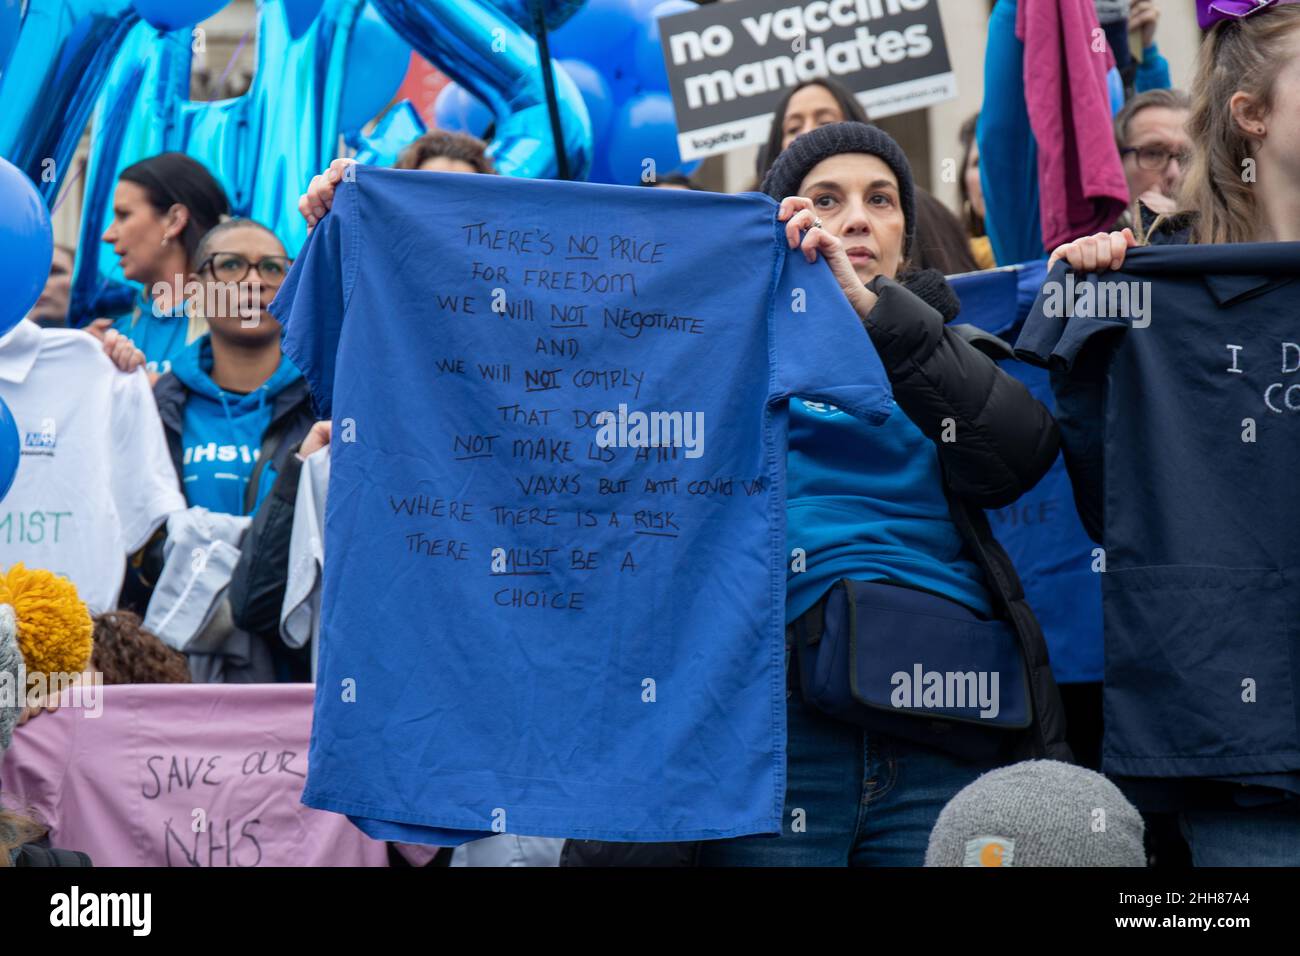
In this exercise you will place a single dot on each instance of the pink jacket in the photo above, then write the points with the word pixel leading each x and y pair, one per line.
pixel 1081 181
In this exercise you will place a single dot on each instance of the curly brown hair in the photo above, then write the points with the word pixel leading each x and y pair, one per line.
pixel 440 142
pixel 125 653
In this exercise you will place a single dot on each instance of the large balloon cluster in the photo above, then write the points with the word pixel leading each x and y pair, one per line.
pixel 324 68
pixel 611 51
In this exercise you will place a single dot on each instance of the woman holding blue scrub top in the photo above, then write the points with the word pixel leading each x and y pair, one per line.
pixel 889 504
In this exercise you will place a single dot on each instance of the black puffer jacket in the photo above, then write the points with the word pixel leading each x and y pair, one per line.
pixel 1006 440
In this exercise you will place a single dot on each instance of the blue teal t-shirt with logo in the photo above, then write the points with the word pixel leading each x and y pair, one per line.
pixel 533 622
pixel 867 503
pixel 222 433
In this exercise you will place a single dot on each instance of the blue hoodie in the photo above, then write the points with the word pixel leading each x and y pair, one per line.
pixel 222 432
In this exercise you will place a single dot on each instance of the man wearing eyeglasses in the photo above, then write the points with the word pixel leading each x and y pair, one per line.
pixel 1151 131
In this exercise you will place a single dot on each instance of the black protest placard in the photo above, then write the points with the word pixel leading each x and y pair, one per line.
pixel 730 63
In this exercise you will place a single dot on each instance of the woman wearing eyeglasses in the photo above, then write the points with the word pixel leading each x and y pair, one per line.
pixel 233 406
pixel 235 411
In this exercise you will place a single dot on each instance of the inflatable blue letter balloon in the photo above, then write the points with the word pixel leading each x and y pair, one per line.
pixel 489 54
pixel 48 86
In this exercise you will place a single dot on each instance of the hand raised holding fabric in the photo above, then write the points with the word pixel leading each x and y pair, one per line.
pixel 798 214
pixel 1105 250
pixel 316 439
pixel 319 197
pixel 122 351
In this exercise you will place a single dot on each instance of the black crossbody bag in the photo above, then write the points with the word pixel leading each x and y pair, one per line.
pixel 900 661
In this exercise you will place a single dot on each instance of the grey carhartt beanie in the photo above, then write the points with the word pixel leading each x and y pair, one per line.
pixel 1038 813
pixel 11 671
pixel 795 161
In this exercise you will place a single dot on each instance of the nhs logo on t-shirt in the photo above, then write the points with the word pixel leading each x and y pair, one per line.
pixel 819 408
pixel 42 442
pixel 211 451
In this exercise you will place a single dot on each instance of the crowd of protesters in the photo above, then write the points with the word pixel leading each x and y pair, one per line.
pixel 233 426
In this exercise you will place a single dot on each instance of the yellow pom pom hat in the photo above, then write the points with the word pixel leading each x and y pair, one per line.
pixel 54 626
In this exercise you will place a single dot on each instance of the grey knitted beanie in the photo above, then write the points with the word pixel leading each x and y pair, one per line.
pixel 797 159
pixel 11 672
pixel 1038 813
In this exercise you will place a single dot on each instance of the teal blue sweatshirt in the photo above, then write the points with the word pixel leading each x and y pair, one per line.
pixel 222 432
pixel 867 503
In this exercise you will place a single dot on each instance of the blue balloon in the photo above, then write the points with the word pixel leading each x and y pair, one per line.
pixel 10 449
pixel 174 14
pixel 645 129
pixel 377 62
pixel 600 171
pixel 458 110
pixel 649 56
pixel 601 33
pixel 595 93
pixel 26 245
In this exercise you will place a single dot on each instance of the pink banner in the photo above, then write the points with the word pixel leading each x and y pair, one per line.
pixel 181 775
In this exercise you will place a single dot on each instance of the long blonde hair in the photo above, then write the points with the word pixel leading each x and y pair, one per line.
pixel 1238 55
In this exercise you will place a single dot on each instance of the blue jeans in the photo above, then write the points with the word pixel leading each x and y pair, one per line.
pixel 1254 836
pixel 851 799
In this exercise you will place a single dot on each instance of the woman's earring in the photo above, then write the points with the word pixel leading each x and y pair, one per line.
pixel 164 242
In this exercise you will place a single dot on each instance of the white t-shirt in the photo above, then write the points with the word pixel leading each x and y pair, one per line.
pixel 95 477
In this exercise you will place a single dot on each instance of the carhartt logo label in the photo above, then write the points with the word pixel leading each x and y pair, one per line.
pixel 133 910
pixel 990 851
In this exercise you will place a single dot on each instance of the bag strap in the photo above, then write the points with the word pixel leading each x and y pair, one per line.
pixel 811 624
